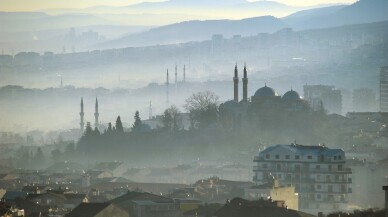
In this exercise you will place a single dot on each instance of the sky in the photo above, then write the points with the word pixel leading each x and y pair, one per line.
pixel 32 5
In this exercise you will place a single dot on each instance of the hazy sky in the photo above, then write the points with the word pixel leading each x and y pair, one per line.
pixel 29 5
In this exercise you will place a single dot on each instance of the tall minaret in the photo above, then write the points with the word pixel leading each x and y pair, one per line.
pixel 176 74
pixel 96 114
pixel 150 111
pixel 235 80
pixel 61 83
pixel 81 114
pixel 167 91
pixel 245 84
pixel 184 73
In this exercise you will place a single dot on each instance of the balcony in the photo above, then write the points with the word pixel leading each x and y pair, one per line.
pixel 273 168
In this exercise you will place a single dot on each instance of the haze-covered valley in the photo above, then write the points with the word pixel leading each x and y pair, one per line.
pixel 184 94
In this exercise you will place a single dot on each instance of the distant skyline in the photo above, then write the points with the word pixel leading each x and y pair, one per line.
pixel 34 5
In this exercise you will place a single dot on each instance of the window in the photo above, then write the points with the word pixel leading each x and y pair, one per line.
pixel 335 157
pixel 317 167
pixel 296 157
pixel 339 157
pixel 267 156
pixel 339 167
pixel 309 157
pixel 279 176
pixel 265 166
pixel 287 157
pixel 319 187
pixel 278 167
pixel 277 156
pixel 318 196
pixel 288 177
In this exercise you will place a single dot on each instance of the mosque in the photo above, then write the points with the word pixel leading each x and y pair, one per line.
pixel 265 106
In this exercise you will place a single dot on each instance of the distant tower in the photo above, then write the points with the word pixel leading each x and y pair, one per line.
pixel 167 93
pixel 96 114
pixel 184 73
pixel 245 84
pixel 235 80
pixel 61 83
pixel 81 114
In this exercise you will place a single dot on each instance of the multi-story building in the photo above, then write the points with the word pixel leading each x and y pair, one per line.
pixel 384 89
pixel 318 173
pixel 322 95
pixel 364 100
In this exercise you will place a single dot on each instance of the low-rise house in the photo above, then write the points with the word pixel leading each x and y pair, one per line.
pixel 11 196
pixel 116 168
pixel 2 192
pixel 5 210
pixel 148 205
pixel 35 189
pixel 31 208
pixel 7 177
pixel 274 191
pixel 186 205
pixel 216 189
pixel 97 210
pixel 58 199
pixel 245 208
pixel 73 200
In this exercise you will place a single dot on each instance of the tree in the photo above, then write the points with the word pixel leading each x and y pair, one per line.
pixel 170 118
pixel 39 154
pixel 56 154
pixel 38 159
pixel 203 108
pixel 70 149
pixel 109 127
pixel 137 124
pixel 119 125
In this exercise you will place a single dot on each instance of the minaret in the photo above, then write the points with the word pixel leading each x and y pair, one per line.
pixel 245 84
pixel 176 74
pixel 167 93
pixel 96 114
pixel 61 83
pixel 81 114
pixel 235 80
pixel 150 111
pixel 184 73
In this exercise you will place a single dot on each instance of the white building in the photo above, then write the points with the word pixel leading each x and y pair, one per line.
pixel 317 172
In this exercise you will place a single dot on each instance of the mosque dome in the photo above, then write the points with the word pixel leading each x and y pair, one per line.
pixel 291 96
pixel 229 104
pixel 266 92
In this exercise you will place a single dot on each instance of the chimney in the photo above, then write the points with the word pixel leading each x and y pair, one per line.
pixel 385 188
